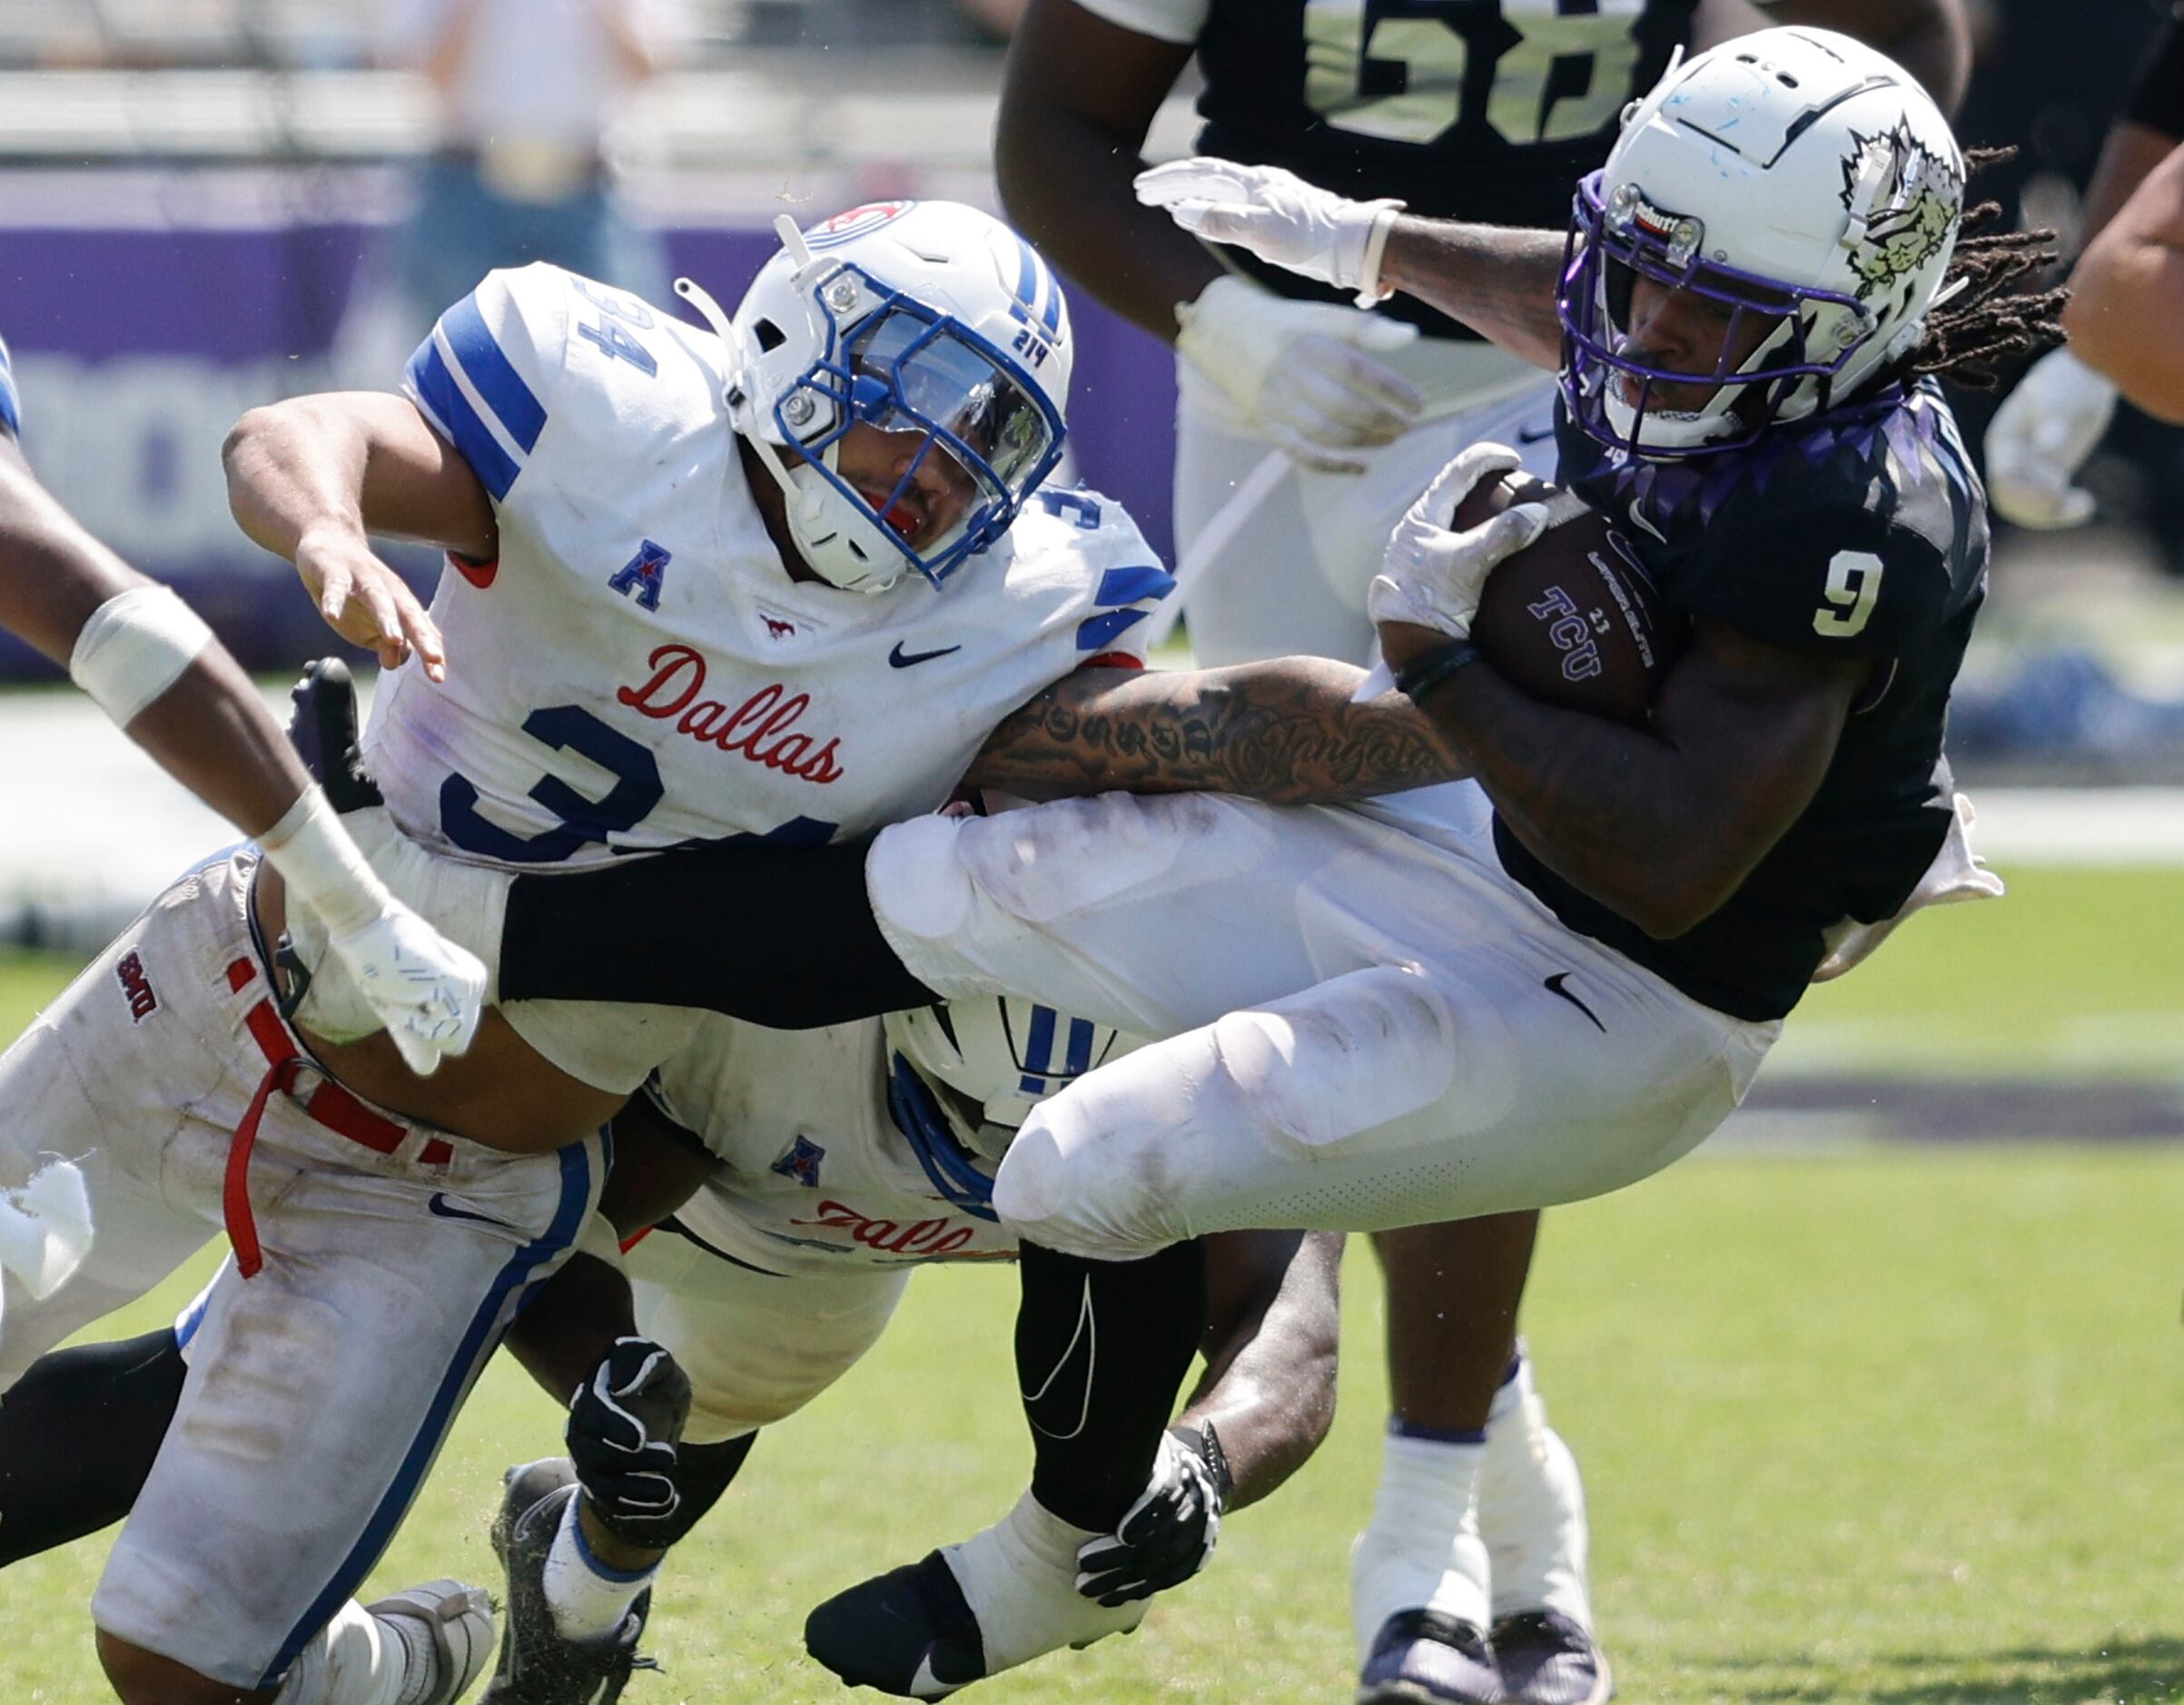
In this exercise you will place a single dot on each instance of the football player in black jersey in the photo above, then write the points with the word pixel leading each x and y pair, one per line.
pixel 1305 427
pixel 1751 393
pixel 2120 317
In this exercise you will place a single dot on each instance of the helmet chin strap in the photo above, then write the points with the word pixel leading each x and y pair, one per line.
pixel 804 501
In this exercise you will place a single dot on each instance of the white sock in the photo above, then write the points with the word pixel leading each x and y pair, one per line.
pixel 1531 1508
pixel 1422 1550
pixel 589 1600
pixel 358 1660
pixel 1510 1394
pixel 1020 1579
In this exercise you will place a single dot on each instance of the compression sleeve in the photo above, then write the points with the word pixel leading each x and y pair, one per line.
pixel 2157 96
pixel 778 936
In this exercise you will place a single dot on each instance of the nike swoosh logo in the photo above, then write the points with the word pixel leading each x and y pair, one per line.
pixel 899 659
pixel 1554 986
pixel 441 1207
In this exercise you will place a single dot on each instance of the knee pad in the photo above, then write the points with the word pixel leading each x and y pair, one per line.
pixel 1361 1050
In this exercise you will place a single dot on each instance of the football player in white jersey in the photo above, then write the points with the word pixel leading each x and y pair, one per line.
pixel 716 684
pixel 870 427
pixel 808 1174
pixel 1305 425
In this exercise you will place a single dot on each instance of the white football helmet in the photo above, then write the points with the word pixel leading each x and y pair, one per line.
pixel 1795 175
pixel 967 1074
pixel 915 317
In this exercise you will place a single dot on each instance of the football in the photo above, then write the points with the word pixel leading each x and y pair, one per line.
pixel 1573 619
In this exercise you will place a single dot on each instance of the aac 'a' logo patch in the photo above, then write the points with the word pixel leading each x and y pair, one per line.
pixel 642 575
pixel 802 1163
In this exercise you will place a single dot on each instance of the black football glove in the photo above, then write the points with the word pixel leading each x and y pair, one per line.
pixel 1167 1535
pixel 624 1425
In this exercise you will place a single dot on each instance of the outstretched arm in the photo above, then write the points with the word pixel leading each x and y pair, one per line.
pixel 2127 290
pixel 311 478
pixel 1273 1321
pixel 1288 731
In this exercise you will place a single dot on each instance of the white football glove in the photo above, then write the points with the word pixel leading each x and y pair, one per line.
pixel 1432 576
pixel 427 992
pixel 1278 217
pixel 2040 436
pixel 1301 375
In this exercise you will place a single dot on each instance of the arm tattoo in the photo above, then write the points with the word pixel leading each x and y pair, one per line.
pixel 1498 282
pixel 1284 732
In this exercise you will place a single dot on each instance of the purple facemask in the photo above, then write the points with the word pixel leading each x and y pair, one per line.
pixel 1808 335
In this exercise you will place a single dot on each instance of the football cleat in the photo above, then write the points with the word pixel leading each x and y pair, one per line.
pixel 323 730
pixel 1424 1658
pixel 909 1633
pixel 460 1621
pixel 965 1612
pixel 1547 1659
pixel 540 1665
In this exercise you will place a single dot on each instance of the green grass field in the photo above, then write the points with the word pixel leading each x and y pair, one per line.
pixel 1893 1426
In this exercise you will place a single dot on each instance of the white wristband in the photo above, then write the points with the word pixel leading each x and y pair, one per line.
pixel 1370 292
pixel 323 867
pixel 134 647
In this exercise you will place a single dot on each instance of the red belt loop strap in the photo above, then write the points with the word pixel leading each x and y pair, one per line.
pixel 330 1104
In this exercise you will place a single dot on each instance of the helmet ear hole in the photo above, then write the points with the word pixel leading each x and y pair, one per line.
pixel 770 336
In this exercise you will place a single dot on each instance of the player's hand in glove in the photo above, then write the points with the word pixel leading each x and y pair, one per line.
pixel 1278 217
pixel 1303 375
pixel 2040 436
pixel 624 1426
pixel 1168 1534
pixel 1431 577
pixel 427 992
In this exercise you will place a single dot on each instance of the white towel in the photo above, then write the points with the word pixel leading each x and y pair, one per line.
pixel 45 1228
pixel 1957 873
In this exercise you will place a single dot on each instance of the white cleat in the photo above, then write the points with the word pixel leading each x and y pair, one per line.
pixel 461 1620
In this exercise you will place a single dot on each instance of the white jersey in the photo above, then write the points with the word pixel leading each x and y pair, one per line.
pixel 637 671
pixel 816 1177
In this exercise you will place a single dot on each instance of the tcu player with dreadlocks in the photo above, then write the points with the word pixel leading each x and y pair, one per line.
pixel 1305 425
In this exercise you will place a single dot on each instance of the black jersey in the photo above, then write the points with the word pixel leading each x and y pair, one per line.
pixel 1861 533
pixel 1483 110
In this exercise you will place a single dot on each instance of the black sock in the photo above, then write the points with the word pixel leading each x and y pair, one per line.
pixel 777 934
pixel 78 1433
pixel 1102 1349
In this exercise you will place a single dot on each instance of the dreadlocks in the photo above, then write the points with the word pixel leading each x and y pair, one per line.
pixel 1982 318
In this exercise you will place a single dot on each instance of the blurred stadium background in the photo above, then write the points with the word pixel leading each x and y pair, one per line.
pixel 1875 1400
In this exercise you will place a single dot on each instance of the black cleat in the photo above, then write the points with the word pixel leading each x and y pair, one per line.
pixel 538 1664
pixel 1424 1658
pixel 909 1633
pixel 1547 1659
pixel 323 730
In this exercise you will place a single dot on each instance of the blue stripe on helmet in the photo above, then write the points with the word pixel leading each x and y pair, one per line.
pixel 1079 1054
pixel 453 413
pixel 1039 1050
pixel 11 404
pixel 491 372
pixel 1126 586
